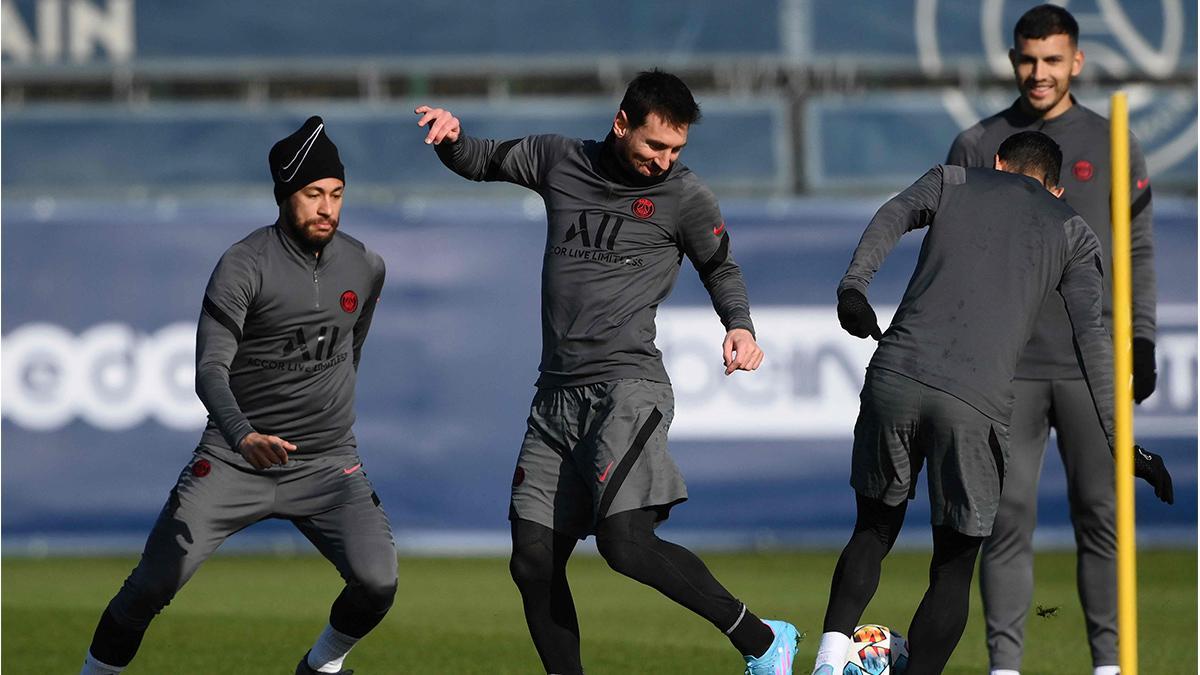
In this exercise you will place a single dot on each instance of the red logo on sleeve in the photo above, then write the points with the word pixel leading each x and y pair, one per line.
pixel 349 301
pixel 1143 183
pixel 1083 170
pixel 719 229
pixel 643 208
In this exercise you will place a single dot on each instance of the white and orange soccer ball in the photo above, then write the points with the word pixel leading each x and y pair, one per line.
pixel 876 650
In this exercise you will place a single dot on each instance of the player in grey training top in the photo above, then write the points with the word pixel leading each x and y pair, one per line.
pixel 939 386
pixel 284 319
pixel 1050 390
pixel 621 215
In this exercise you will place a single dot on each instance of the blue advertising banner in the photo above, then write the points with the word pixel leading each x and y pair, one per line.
pixel 100 301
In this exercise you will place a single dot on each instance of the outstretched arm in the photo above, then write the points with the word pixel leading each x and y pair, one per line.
pixel 522 161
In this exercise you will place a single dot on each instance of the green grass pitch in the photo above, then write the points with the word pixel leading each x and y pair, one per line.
pixel 259 615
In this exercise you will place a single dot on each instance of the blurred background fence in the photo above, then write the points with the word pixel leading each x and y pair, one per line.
pixel 134 138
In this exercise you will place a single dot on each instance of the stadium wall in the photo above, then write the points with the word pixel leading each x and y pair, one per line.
pixel 99 309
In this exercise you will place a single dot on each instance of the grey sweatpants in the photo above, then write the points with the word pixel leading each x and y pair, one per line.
pixel 328 498
pixel 1006 566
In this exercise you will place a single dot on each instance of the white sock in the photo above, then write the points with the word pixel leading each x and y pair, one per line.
pixel 91 666
pixel 1107 670
pixel 832 651
pixel 1006 672
pixel 330 650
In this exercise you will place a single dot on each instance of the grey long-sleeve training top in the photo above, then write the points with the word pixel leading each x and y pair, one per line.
pixel 1085 140
pixel 279 339
pixel 999 246
pixel 614 244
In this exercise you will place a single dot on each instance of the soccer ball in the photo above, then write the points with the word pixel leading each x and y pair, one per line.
pixel 876 650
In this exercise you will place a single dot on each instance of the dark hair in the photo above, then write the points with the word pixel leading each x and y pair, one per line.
pixel 663 94
pixel 1043 21
pixel 1032 152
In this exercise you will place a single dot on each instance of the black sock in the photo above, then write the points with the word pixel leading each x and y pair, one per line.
pixel 751 637
pixel 114 644
pixel 629 546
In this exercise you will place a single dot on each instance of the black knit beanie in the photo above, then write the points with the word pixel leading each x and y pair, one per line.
pixel 306 156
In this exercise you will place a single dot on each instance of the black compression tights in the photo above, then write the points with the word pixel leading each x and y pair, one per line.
pixel 539 567
pixel 942 615
pixel 114 644
pixel 628 544
pixel 939 621
pixel 857 573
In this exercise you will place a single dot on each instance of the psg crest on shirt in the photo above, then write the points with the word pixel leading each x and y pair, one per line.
pixel 643 208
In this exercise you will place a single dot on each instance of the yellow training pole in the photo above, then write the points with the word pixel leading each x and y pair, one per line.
pixel 1123 388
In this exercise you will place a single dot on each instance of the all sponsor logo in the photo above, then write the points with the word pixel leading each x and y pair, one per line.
pixel 326 338
pixel 594 236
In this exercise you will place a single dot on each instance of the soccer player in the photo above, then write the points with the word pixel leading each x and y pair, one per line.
pixel 1050 388
pixel 939 386
pixel 621 214
pixel 283 323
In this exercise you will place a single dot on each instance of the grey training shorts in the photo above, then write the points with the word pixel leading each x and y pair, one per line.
pixel 903 424
pixel 595 450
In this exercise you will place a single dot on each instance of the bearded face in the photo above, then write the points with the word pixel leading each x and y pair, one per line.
pixel 311 214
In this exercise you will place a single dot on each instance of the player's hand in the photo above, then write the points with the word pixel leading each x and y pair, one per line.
pixel 856 316
pixel 263 451
pixel 1150 468
pixel 1145 373
pixel 443 126
pixel 741 351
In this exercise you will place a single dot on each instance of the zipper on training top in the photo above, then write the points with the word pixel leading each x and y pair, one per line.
pixel 316 286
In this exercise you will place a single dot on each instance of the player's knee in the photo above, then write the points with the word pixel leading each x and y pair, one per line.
pixel 142 598
pixel 622 555
pixel 378 587
pixel 531 565
pixel 1016 515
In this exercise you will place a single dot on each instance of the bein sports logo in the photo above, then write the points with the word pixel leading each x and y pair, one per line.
pixel 110 376
pixel 1143 39
pixel 808 385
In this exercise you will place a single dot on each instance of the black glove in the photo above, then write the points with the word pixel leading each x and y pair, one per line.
pixel 856 315
pixel 1145 374
pixel 1150 468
